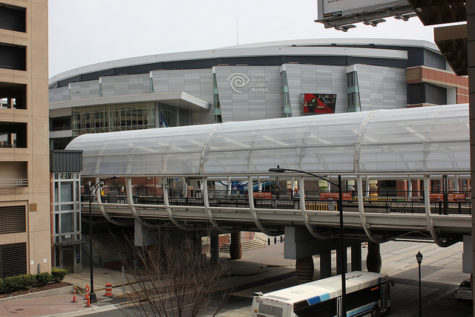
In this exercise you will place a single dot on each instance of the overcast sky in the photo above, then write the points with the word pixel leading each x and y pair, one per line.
pixel 83 32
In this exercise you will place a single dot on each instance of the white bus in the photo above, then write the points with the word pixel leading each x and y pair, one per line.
pixel 367 294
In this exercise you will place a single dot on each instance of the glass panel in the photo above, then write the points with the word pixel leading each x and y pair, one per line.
pixel 431 138
pixel 67 207
pixel 66 191
pixel 67 222
pixel 56 191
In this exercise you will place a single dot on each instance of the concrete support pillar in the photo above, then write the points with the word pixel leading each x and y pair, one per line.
pixel 259 185
pixel 197 246
pixel 214 248
pixel 304 269
pixel 373 260
pixel 235 249
pixel 409 189
pixel 229 187
pixel 325 263
pixel 338 265
pixel 356 256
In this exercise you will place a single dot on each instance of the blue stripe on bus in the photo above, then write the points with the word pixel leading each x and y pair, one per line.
pixel 317 299
pixel 366 308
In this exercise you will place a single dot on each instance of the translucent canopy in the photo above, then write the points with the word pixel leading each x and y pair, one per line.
pixel 405 141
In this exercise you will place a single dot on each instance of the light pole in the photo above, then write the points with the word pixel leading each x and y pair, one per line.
pixel 92 191
pixel 342 232
pixel 419 261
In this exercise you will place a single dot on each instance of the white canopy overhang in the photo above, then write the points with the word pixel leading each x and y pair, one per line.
pixel 177 99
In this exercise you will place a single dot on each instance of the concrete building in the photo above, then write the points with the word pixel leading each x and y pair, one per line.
pixel 257 81
pixel 25 220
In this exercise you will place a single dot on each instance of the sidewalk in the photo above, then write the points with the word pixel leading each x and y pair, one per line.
pixel 267 265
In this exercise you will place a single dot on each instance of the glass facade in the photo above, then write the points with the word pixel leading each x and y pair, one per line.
pixel 110 118
pixel 169 116
pixel 217 106
pixel 67 209
pixel 286 105
pixel 354 103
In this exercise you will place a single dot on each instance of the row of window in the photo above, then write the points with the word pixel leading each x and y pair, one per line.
pixel 111 118
pixel 134 116
pixel 12 135
pixel 12 18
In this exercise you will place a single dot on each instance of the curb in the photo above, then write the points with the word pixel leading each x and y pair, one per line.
pixel 88 311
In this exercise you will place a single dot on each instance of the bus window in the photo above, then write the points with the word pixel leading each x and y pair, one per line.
pixel 326 308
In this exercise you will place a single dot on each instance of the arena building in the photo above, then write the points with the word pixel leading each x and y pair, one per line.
pixel 256 81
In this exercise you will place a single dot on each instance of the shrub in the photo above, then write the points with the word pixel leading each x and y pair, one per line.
pixel 3 287
pixel 19 282
pixel 58 274
pixel 43 278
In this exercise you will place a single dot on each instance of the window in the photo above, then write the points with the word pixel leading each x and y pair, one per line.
pixel 325 308
pixel 60 123
pixel 111 118
pixel 362 297
pixel 12 56
pixel 12 219
pixel 12 135
pixel 12 18
pixel 12 96
pixel 12 259
pixel 67 222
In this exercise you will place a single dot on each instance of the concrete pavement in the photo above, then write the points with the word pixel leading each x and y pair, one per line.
pixel 265 269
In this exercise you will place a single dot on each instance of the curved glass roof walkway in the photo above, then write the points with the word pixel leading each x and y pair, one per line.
pixel 424 140
pixel 418 143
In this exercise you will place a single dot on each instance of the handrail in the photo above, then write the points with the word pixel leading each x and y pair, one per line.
pixel 14 182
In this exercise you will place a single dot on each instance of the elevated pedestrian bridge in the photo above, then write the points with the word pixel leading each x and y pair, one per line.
pixel 427 146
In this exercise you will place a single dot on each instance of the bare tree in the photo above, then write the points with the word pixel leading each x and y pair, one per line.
pixel 173 281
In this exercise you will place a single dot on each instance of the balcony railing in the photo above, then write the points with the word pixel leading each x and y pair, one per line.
pixel 14 182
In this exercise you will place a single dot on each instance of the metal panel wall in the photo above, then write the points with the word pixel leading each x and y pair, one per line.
pixel 84 90
pixel 316 79
pixel 381 87
pixel 196 82
pixel 249 93
pixel 125 85
pixel 65 161
pixel 58 94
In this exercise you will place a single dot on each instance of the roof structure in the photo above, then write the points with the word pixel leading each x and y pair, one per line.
pixel 361 47
pixel 429 140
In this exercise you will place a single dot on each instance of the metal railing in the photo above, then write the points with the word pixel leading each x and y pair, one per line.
pixel 391 202
pixel 13 182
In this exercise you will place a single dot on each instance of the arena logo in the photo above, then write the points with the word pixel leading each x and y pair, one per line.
pixel 237 81
pixel 256 81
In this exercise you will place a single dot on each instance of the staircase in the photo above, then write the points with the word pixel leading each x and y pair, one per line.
pixel 259 241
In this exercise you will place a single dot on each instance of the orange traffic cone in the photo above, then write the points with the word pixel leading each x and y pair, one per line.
pixel 74 295
pixel 87 291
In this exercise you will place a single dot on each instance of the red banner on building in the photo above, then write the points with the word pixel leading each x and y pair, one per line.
pixel 319 103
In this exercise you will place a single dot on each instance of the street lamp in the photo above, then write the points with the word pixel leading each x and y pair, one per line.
pixel 342 233
pixel 92 190
pixel 419 261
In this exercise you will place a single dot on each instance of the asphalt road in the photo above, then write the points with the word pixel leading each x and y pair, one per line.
pixel 441 274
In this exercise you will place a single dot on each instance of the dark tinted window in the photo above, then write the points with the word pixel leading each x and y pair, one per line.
pixel 12 18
